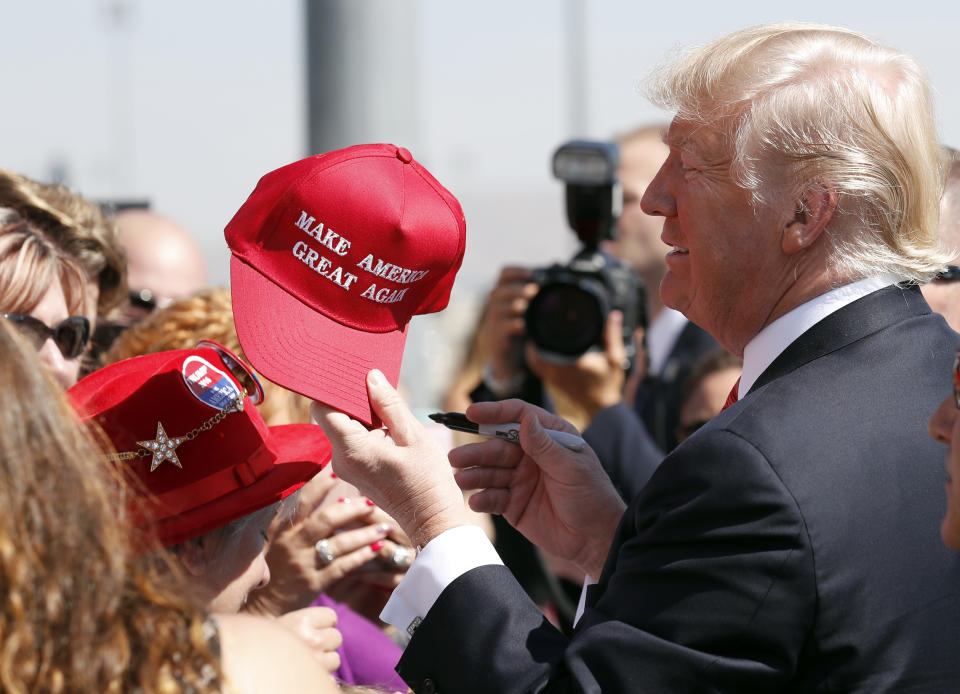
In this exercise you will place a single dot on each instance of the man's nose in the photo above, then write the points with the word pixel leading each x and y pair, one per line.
pixel 940 426
pixel 657 200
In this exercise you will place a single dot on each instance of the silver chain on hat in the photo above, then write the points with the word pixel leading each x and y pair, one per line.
pixel 235 405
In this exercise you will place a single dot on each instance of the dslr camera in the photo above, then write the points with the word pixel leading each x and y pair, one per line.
pixel 566 317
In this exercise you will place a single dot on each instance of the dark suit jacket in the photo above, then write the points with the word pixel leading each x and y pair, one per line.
pixel 790 545
pixel 658 398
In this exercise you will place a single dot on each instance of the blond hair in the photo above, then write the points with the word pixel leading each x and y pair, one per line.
pixel 29 263
pixel 206 315
pixel 78 226
pixel 804 105
pixel 76 615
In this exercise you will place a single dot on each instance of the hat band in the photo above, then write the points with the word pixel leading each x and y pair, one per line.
pixel 211 487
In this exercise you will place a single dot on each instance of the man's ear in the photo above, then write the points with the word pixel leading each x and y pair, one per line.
pixel 814 211
pixel 193 556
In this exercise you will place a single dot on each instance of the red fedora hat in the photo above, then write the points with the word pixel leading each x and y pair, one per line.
pixel 189 439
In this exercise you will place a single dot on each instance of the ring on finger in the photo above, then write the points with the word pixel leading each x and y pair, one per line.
pixel 402 557
pixel 324 553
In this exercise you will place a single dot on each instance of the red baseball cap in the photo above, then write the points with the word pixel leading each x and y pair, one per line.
pixel 195 460
pixel 332 256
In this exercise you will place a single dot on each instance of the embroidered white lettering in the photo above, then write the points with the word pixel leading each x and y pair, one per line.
pixel 335 242
pixel 309 257
pixel 389 271
pixel 304 222
pixel 384 295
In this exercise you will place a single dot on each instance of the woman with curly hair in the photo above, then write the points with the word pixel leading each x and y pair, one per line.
pixel 76 614
pixel 206 315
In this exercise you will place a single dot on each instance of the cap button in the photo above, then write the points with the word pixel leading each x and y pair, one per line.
pixel 403 154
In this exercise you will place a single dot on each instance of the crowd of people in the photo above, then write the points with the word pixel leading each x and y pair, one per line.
pixel 222 490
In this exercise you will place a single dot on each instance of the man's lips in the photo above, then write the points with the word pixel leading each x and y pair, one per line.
pixel 675 249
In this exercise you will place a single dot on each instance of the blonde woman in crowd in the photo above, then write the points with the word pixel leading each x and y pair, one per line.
pixel 76 615
pixel 80 228
pixel 42 293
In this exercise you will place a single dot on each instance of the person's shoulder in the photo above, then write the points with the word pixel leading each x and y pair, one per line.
pixel 259 655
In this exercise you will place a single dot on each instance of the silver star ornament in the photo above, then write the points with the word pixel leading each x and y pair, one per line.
pixel 163 448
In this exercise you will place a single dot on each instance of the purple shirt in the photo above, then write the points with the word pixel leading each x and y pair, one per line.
pixel 367 655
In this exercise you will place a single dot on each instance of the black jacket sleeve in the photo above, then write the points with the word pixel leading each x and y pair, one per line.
pixel 709 587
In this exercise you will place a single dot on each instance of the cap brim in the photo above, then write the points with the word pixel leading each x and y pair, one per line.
pixel 306 352
pixel 302 451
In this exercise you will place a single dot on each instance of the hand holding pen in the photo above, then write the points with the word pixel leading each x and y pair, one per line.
pixel 507 431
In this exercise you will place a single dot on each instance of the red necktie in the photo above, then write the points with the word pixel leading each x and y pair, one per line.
pixel 732 398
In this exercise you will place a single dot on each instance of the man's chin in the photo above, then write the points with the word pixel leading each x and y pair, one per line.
pixel 672 294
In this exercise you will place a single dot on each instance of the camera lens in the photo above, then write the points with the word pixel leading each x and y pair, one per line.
pixel 566 318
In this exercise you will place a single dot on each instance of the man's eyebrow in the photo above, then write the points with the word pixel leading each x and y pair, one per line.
pixel 677 141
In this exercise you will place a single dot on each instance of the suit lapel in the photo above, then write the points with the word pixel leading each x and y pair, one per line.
pixel 863 317
pixel 853 322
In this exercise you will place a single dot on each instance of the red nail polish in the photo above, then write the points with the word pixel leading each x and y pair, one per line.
pixel 333 475
pixel 370 503
pixel 377 546
pixel 343 500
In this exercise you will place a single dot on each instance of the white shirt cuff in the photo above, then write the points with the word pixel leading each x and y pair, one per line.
pixel 445 558
pixel 588 581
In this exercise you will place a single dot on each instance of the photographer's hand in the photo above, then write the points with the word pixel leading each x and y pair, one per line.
pixel 593 382
pixel 503 322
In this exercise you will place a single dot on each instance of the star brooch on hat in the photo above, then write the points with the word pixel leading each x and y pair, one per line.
pixel 163 448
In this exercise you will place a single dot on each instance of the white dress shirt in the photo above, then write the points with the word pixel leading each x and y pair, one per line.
pixel 770 342
pixel 456 551
pixel 662 335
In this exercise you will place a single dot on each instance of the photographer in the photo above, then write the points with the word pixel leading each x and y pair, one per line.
pixel 587 392
pixel 565 336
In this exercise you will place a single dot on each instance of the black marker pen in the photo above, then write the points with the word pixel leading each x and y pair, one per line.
pixel 508 431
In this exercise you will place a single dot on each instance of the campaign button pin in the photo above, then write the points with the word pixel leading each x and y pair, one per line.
pixel 209 384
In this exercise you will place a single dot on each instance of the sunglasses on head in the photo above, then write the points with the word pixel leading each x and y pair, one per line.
pixel 69 335
pixel 240 371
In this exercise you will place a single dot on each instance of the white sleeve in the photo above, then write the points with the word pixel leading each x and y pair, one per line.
pixel 445 558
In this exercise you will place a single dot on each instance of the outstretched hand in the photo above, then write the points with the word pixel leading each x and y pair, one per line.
pixel 350 527
pixel 400 467
pixel 561 500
